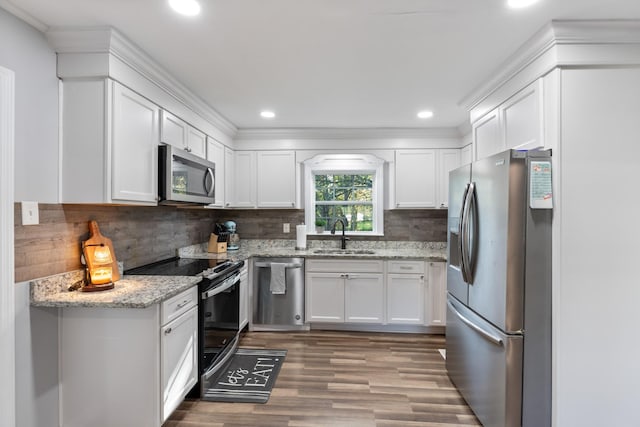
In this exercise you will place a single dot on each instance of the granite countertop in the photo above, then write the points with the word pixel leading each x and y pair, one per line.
pixel 128 292
pixel 144 291
pixel 427 251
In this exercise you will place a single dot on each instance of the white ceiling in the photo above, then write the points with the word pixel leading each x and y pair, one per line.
pixel 329 63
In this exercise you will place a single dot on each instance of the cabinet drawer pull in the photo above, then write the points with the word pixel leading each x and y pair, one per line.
pixel 406 267
pixel 167 331
pixel 182 304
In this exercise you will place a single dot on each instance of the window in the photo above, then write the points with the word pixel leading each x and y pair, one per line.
pixel 344 187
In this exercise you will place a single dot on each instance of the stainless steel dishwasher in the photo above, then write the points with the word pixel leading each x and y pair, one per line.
pixel 273 307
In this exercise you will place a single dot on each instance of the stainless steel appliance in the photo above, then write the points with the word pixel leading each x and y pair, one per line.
pixel 218 309
pixel 498 351
pixel 184 177
pixel 278 294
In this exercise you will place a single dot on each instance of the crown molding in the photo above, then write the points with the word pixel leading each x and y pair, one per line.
pixel 108 40
pixel 21 14
pixel 346 133
pixel 561 43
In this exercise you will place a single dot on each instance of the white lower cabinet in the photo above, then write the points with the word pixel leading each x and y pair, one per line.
pixel 127 366
pixel 340 291
pixel 435 302
pixel 244 297
pixel 405 292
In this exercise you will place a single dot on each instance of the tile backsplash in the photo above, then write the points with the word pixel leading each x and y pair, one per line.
pixel 142 235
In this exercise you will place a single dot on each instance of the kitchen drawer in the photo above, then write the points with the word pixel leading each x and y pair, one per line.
pixel 409 267
pixel 178 304
pixel 345 266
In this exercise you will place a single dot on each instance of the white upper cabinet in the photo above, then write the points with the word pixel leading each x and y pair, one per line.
pixel 448 160
pixel 229 176
pixel 415 184
pixel 244 179
pixel 487 136
pixel 466 156
pixel 521 116
pixel 215 154
pixel 263 179
pixel 176 132
pixel 515 124
pixel 109 146
pixel 276 179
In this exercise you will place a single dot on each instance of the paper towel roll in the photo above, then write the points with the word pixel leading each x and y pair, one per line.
pixel 301 237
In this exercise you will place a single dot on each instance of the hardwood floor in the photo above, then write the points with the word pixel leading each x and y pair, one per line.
pixel 344 379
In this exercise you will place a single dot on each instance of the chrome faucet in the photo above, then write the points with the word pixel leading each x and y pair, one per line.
pixel 344 238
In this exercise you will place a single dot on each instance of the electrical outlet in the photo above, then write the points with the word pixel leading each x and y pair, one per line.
pixel 286 228
pixel 30 214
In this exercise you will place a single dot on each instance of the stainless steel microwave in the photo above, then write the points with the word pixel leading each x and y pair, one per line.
pixel 184 177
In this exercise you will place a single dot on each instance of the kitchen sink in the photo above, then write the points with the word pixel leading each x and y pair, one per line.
pixel 344 251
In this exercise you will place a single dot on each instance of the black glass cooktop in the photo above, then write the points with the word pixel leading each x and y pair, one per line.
pixel 180 267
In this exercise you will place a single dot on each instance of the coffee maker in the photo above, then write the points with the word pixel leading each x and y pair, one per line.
pixel 234 239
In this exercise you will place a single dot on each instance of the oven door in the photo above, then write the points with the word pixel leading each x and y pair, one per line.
pixel 220 322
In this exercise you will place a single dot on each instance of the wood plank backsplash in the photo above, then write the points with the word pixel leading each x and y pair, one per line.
pixel 142 235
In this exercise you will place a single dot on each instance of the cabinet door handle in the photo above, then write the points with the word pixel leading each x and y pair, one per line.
pixel 167 331
pixel 405 267
pixel 182 304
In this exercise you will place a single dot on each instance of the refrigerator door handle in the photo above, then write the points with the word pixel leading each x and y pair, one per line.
pixel 461 233
pixel 486 335
pixel 472 231
pixel 464 234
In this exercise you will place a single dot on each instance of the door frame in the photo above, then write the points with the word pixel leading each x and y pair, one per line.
pixel 7 276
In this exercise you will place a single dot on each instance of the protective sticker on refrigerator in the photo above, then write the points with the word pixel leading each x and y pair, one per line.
pixel 540 192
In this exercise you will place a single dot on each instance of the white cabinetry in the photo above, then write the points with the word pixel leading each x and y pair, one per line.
pixel 276 179
pixel 447 161
pixel 466 156
pixel 109 145
pixel 264 179
pixel 422 177
pixel 340 291
pixel 127 366
pixel 176 132
pixel 415 182
pixel 436 294
pixel 515 124
pixel 405 292
pixel 229 176
pixel 487 136
pixel 244 296
pixel 215 154
pixel 244 179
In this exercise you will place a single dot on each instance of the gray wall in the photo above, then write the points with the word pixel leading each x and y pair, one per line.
pixel 24 50
pixel 37 388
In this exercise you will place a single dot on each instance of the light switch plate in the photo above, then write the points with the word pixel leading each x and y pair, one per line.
pixel 30 215
pixel 286 228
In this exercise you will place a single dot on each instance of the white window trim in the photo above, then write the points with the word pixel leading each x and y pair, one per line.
pixel 345 164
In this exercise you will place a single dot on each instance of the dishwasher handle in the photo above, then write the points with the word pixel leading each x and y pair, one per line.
pixel 268 265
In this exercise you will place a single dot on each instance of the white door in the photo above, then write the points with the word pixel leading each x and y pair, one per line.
pixel 405 297
pixel 447 161
pixel 324 295
pixel 364 298
pixel 134 157
pixel 435 304
pixel 276 179
pixel 487 136
pixel 216 154
pixel 244 183
pixel 415 179
pixel 179 346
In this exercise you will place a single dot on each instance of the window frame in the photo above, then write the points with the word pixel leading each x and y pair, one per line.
pixel 345 164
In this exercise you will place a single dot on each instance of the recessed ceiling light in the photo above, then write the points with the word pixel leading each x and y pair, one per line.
pixel 519 4
pixel 425 114
pixel 267 114
pixel 185 7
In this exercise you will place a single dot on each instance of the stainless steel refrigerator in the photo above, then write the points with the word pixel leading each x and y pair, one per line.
pixel 498 335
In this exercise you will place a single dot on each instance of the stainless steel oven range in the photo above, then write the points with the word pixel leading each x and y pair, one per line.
pixel 218 309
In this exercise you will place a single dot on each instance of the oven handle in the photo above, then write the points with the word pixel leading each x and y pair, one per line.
pixel 223 287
